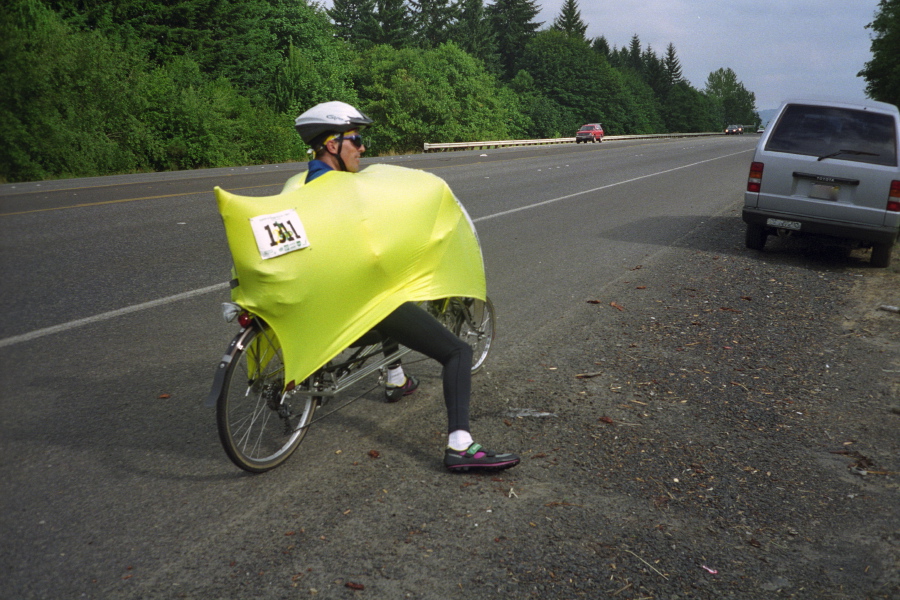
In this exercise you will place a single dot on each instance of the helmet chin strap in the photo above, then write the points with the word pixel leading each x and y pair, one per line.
pixel 338 154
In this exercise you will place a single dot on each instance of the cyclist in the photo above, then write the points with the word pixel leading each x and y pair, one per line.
pixel 332 130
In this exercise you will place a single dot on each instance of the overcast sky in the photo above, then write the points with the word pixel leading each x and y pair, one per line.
pixel 777 48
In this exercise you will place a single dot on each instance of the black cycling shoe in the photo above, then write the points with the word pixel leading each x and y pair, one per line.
pixel 393 393
pixel 476 457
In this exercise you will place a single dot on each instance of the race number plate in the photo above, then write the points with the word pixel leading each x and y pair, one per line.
pixel 781 224
pixel 278 233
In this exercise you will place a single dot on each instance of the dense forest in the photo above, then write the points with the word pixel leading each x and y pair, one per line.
pixel 94 87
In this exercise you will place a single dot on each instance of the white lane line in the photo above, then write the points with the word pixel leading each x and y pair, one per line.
pixel 602 187
pixel 39 333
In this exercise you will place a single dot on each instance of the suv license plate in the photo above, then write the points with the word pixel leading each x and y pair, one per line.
pixel 783 224
pixel 825 192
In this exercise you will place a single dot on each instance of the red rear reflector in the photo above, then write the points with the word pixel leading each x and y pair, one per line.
pixel 755 179
pixel 893 204
pixel 244 320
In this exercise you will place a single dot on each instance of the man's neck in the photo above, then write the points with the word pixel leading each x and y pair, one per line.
pixel 317 167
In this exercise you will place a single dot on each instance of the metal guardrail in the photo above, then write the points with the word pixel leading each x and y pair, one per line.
pixel 569 140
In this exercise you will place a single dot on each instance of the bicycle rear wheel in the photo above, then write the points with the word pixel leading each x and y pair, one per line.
pixel 259 425
pixel 475 326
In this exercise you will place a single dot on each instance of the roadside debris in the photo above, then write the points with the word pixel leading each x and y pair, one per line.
pixel 518 413
pixel 652 568
pixel 588 375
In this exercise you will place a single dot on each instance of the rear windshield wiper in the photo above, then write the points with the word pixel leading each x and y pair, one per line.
pixel 853 152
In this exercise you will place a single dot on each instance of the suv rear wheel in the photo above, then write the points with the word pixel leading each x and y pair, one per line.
pixel 881 255
pixel 756 237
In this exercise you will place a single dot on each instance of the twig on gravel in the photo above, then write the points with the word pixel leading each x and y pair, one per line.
pixel 648 564
pixel 740 385
pixel 623 589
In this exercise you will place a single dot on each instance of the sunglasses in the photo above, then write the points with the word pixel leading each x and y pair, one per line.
pixel 355 139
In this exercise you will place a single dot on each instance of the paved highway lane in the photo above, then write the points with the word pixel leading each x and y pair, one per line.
pixel 562 223
pixel 76 248
pixel 114 482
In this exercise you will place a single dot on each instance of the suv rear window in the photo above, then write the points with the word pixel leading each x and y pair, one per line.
pixel 835 132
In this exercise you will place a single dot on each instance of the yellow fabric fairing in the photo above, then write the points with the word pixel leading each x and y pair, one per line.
pixel 377 239
pixel 260 353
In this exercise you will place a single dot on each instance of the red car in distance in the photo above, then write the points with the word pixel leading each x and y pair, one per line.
pixel 592 132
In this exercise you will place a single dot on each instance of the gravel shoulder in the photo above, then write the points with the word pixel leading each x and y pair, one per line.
pixel 715 423
pixel 739 413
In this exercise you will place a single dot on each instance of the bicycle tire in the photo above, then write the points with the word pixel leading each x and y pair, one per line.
pixel 481 336
pixel 259 425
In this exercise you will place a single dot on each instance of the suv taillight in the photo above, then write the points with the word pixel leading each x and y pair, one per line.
pixel 755 179
pixel 893 204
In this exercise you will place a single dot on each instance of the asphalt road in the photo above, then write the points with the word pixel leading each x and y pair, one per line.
pixel 114 483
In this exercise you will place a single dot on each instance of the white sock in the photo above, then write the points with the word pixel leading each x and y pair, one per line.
pixel 396 376
pixel 460 440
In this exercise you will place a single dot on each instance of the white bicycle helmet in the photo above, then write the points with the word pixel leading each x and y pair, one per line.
pixel 329 117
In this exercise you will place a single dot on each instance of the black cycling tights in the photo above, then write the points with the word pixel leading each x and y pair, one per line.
pixel 413 327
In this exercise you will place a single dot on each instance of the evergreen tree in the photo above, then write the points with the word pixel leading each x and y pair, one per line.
pixel 569 20
pixel 623 103
pixel 672 66
pixel 514 24
pixel 394 26
pixel 633 56
pixel 354 20
pixel 654 72
pixel 882 73
pixel 474 34
pixel 601 46
pixel 618 57
pixel 433 21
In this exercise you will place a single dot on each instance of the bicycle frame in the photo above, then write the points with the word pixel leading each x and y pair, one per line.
pixel 261 423
pixel 327 382
pixel 340 376
pixel 335 378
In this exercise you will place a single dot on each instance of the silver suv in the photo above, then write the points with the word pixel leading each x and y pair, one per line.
pixel 828 168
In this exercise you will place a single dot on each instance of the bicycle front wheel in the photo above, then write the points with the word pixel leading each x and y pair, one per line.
pixel 259 425
pixel 475 326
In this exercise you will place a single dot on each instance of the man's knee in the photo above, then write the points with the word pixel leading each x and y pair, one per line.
pixel 463 351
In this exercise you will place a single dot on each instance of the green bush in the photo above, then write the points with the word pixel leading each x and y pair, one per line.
pixel 570 73
pixel 64 102
pixel 146 85
pixel 439 95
